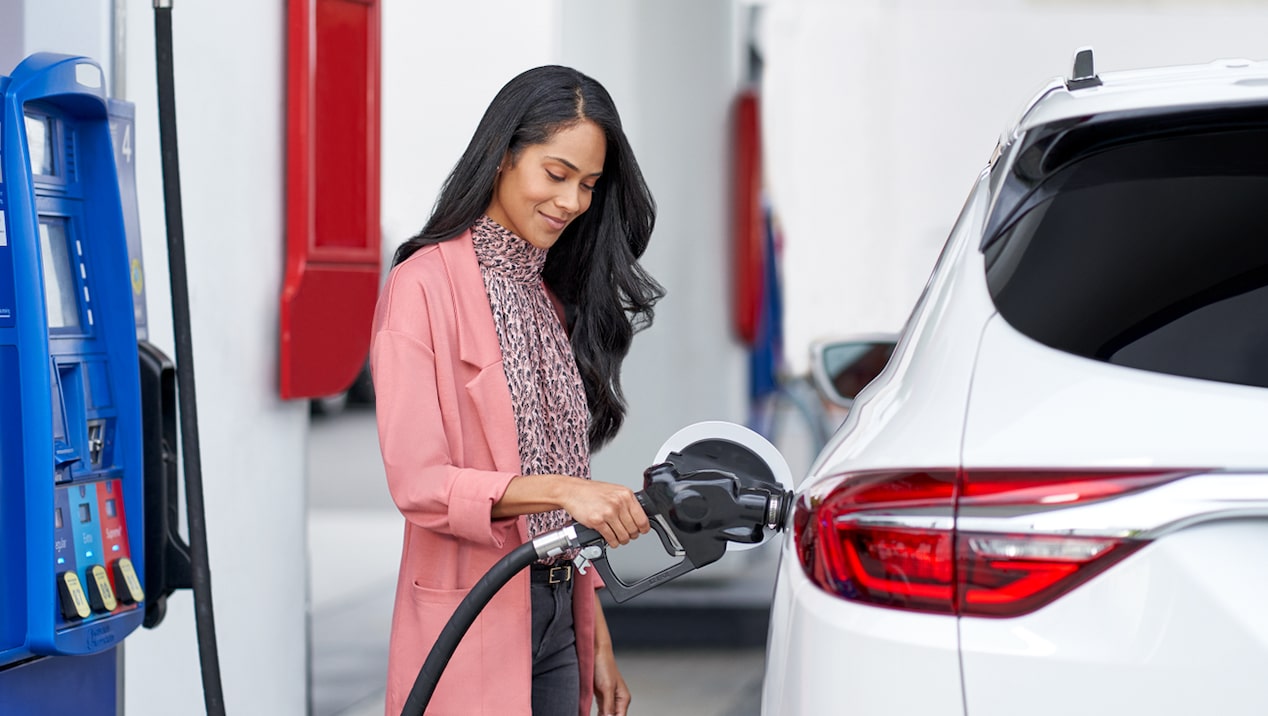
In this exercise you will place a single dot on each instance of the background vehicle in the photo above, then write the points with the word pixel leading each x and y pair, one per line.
pixel 1054 498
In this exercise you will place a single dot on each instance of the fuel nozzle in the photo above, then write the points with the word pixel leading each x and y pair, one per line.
pixel 711 494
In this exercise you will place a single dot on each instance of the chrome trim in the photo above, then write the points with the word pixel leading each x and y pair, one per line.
pixel 677 549
pixel 1147 514
pixel 909 520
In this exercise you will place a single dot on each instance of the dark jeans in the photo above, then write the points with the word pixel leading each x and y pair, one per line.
pixel 556 676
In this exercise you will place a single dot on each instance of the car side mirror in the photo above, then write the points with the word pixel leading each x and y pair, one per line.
pixel 841 368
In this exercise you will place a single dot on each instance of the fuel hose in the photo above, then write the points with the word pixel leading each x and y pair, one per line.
pixel 471 606
pixel 204 619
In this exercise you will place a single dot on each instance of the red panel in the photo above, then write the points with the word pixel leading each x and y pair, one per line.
pixel 332 219
pixel 747 225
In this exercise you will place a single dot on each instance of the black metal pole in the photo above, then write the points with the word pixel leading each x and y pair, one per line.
pixel 204 617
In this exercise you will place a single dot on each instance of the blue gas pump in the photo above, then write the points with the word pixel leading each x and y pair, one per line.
pixel 72 492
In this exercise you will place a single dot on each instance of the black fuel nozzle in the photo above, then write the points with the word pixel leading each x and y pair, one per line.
pixel 695 514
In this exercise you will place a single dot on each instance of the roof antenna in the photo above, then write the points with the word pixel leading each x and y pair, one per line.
pixel 1084 73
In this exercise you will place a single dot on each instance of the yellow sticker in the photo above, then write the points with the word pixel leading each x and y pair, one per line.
pixel 108 602
pixel 130 580
pixel 138 277
pixel 76 594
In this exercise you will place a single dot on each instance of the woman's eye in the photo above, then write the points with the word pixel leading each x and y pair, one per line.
pixel 588 187
pixel 553 177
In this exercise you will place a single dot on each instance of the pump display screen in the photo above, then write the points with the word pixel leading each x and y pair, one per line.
pixel 39 139
pixel 60 294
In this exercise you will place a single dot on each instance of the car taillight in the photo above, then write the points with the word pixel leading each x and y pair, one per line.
pixel 889 538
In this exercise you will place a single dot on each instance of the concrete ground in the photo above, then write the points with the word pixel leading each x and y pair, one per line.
pixel 354 543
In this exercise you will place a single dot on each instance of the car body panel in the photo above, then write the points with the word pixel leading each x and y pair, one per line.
pixel 1177 628
pixel 832 654
pixel 1116 416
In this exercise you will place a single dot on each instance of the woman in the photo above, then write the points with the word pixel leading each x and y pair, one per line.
pixel 498 342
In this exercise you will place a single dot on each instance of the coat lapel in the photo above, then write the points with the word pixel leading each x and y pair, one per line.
pixel 478 346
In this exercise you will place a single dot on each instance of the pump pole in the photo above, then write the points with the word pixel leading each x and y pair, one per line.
pixel 204 618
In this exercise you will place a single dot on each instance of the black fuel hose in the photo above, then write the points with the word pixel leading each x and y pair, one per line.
pixel 204 613
pixel 470 607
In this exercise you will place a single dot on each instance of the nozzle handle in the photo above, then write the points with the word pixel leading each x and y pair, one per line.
pixel 588 538
pixel 622 592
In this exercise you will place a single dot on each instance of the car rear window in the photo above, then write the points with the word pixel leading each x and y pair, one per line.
pixel 1149 253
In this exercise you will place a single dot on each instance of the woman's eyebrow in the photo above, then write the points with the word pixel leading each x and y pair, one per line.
pixel 570 165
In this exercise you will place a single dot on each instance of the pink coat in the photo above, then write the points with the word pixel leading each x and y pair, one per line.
pixel 449 443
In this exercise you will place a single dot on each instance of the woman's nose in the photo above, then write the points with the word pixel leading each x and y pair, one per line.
pixel 569 199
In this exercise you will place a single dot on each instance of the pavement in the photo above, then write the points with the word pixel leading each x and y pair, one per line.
pixel 690 648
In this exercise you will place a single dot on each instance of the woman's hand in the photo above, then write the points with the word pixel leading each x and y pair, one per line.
pixel 611 694
pixel 612 510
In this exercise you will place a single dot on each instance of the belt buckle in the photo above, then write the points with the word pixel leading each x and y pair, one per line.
pixel 565 569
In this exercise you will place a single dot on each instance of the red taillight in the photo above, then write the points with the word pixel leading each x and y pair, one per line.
pixel 883 538
pixel 889 539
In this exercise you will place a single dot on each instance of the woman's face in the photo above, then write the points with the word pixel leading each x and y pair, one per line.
pixel 549 184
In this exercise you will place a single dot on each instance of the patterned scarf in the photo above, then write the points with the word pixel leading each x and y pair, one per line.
pixel 551 415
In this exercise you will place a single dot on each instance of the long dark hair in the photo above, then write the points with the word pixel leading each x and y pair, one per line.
pixel 593 268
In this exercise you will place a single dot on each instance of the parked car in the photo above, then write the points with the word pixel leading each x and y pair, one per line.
pixel 1054 498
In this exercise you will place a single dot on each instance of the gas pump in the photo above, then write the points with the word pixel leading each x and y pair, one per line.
pixel 73 452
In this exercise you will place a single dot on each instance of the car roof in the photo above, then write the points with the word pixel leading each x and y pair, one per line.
pixel 1226 81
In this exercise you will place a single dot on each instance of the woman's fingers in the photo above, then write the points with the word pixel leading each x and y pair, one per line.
pixel 612 510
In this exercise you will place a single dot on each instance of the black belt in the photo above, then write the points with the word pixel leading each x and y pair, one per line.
pixel 551 573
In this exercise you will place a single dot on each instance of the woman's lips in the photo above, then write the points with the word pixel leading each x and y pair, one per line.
pixel 556 224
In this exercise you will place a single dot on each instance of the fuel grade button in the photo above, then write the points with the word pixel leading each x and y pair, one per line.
pixel 100 595
pixel 74 603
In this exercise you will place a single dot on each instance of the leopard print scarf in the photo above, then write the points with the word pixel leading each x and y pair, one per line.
pixel 551 415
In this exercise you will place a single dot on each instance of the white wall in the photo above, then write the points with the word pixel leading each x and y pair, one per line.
pixel 12 26
pixel 442 65
pixel 28 27
pixel 879 115
pixel 229 93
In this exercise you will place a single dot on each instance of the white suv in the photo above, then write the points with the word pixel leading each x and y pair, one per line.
pixel 1054 498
